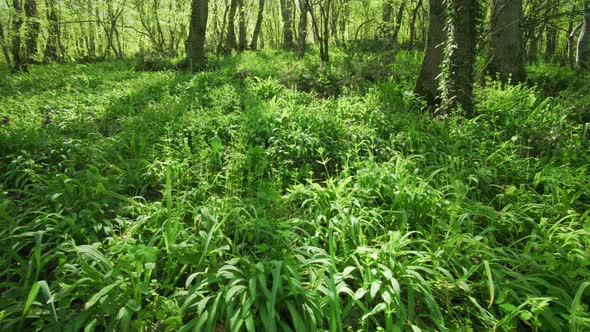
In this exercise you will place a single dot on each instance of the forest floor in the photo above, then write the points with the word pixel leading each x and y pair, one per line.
pixel 271 194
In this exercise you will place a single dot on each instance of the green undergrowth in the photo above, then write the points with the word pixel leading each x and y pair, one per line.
pixel 271 194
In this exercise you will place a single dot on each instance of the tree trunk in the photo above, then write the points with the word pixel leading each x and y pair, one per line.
pixel 242 27
pixel 91 31
pixel 398 22
pixel 33 28
pixel 287 16
pixel 461 47
pixel 303 29
pixel 195 46
pixel 258 25
pixel 583 50
pixel 17 22
pixel 5 49
pixel 570 45
pixel 53 32
pixel 230 40
pixel 428 79
pixel 413 24
pixel 506 54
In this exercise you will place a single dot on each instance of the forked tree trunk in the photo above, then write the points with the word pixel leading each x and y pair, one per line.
pixel 428 80
pixel 258 25
pixel 195 47
pixel 230 40
pixel 461 47
pixel 505 53
pixel 571 45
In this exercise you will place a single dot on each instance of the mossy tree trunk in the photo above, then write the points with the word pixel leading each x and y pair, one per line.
pixel 287 17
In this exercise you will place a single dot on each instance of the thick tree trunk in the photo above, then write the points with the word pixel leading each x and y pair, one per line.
pixel 230 39
pixel 53 32
pixel 583 50
pixel 428 80
pixel 287 16
pixel 258 26
pixel 195 46
pixel 242 27
pixel 461 50
pixel 5 49
pixel 33 28
pixel 302 29
pixel 17 22
pixel 506 54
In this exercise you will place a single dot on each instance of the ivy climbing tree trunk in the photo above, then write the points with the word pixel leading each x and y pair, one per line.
pixel 195 45
pixel 17 22
pixel 287 16
pixel 428 80
pixel 506 53
pixel 457 84
pixel 33 28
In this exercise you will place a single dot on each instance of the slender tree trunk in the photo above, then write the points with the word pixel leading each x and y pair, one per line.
pixel 195 46
pixel 583 51
pixel 428 80
pixel 242 27
pixel 230 40
pixel 303 28
pixel 258 25
pixel 287 16
pixel 413 23
pixel 461 47
pixel 398 21
pixel 33 28
pixel 17 22
pixel 91 31
pixel 506 54
pixel 571 45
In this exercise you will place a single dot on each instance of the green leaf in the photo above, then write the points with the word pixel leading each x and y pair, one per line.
pixel 32 295
pixel 99 295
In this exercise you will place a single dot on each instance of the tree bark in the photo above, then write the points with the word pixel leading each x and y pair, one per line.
pixel 413 23
pixel 53 32
pixel 570 45
pixel 33 28
pixel 5 49
pixel 461 47
pixel 287 16
pixel 505 52
pixel 195 47
pixel 428 80
pixel 583 50
pixel 258 26
pixel 230 40
pixel 17 22
pixel 302 29
pixel 242 27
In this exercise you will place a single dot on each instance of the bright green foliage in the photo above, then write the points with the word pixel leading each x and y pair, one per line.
pixel 231 201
